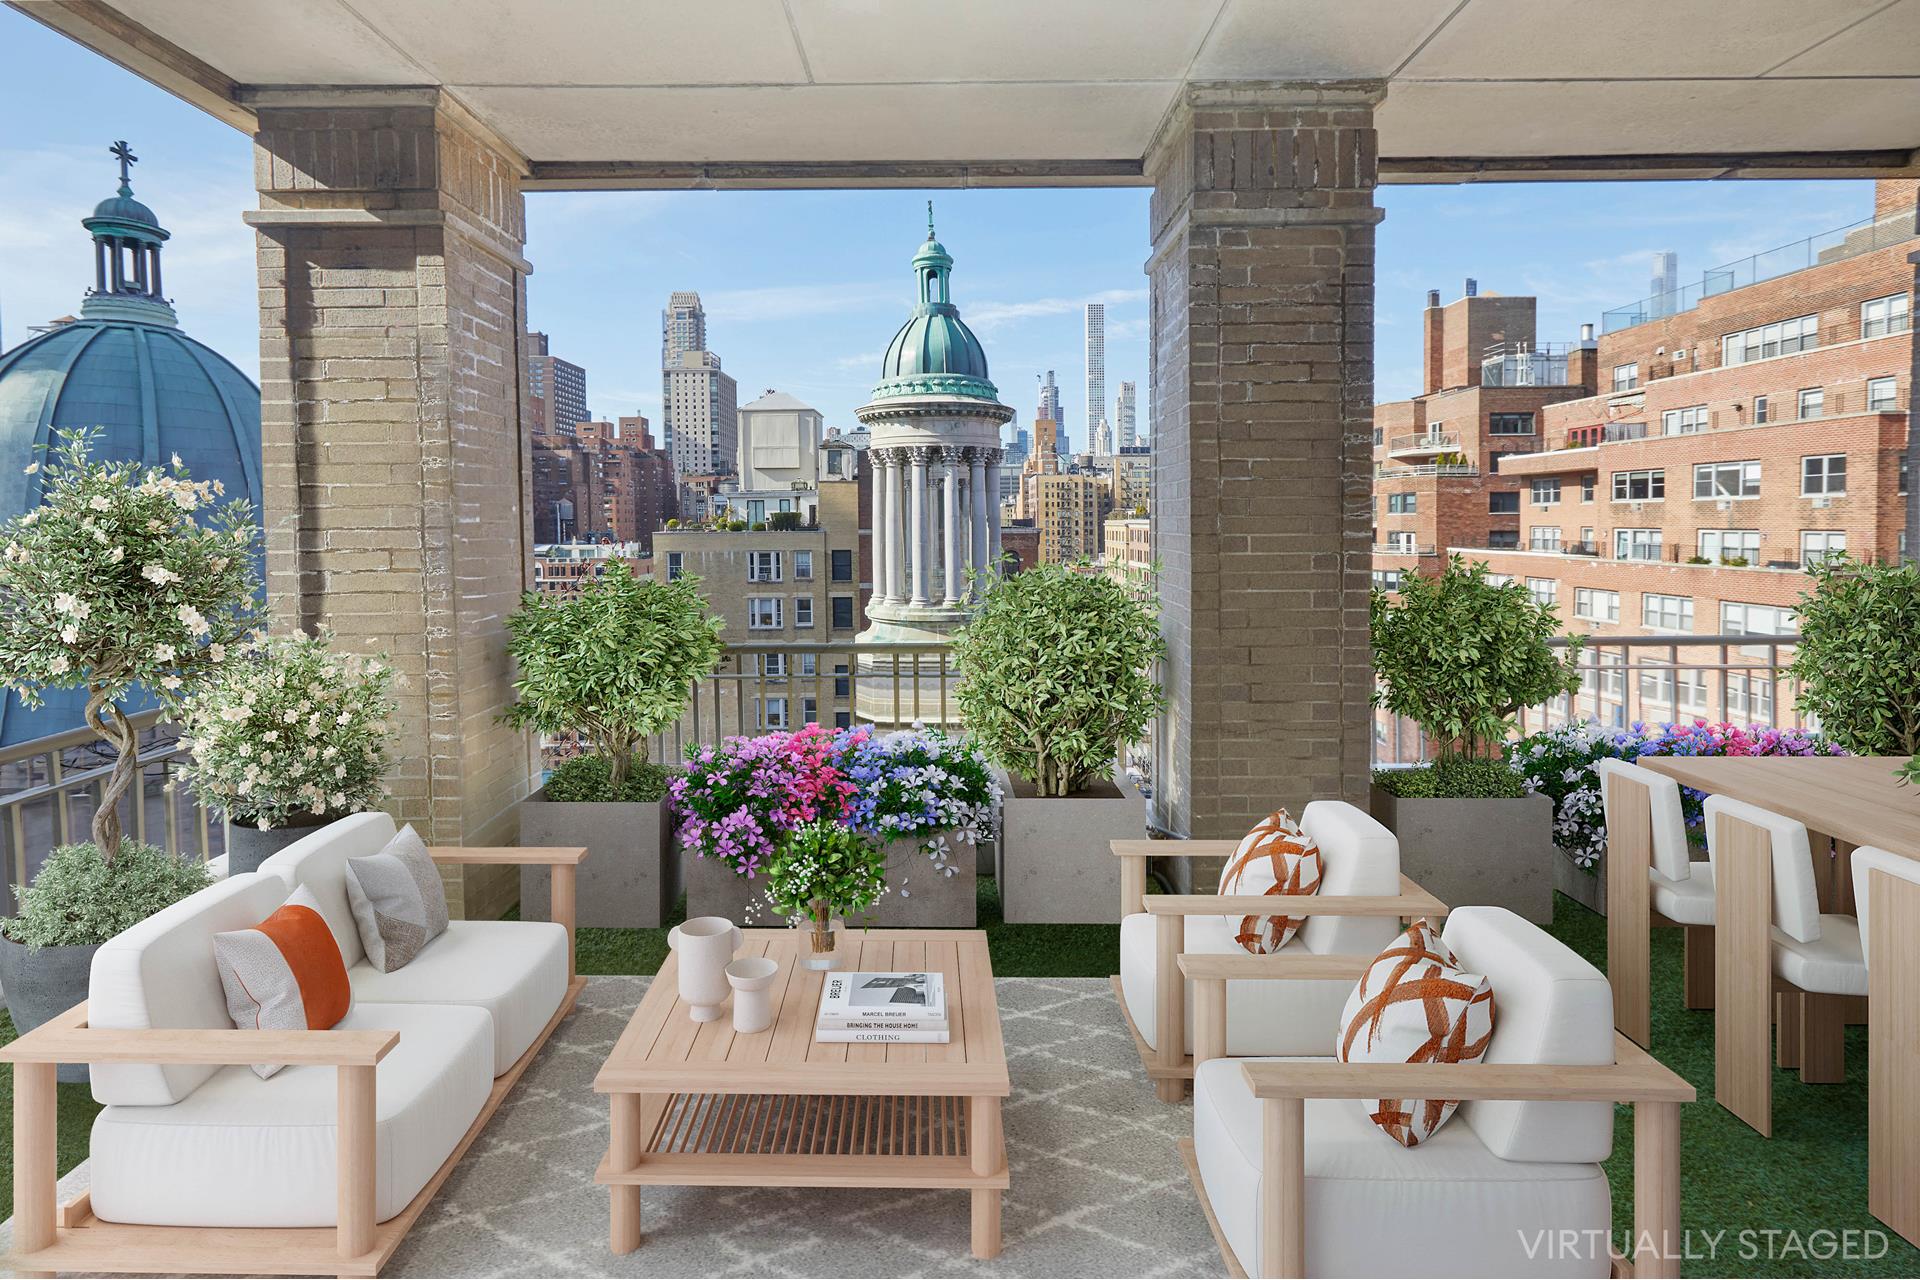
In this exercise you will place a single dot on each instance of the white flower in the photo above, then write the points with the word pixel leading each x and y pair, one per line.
pixel 65 602
pixel 163 653
pixel 217 652
pixel 192 619
pixel 101 502
pixel 185 499
pixel 271 735
pixel 116 555
pixel 32 467
pixel 169 682
pixel 233 715
pixel 69 635
pixel 159 574
pixel 177 464
pixel 59 664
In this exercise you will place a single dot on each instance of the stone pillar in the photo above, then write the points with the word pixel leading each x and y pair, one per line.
pixel 394 430
pixel 882 525
pixel 993 509
pixel 977 511
pixel 950 511
pixel 917 508
pixel 1261 297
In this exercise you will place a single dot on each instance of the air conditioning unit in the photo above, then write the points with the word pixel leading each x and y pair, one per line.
pixel 1821 504
pixel 1723 505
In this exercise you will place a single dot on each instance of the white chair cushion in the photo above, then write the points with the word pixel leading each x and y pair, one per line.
pixel 514 969
pixel 1262 1017
pixel 319 861
pixel 1448 1207
pixel 247 1152
pixel 161 973
pixel 1358 858
pixel 1866 861
pixel 1796 899
pixel 1832 964
pixel 1670 853
pixel 1688 901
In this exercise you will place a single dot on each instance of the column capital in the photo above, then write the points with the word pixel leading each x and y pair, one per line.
pixel 922 455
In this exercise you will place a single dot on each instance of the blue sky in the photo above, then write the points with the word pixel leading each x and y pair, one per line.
pixel 803 289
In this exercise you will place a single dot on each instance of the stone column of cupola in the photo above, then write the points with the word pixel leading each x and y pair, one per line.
pixel 993 508
pixel 977 499
pixel 956 578
pixel 920 557
pixel 882 527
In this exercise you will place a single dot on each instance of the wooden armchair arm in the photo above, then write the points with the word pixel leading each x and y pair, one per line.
pixel 564 859
pixel 1294 966
pixel 68 1038
pixel 1633 1076
pixel 1412 900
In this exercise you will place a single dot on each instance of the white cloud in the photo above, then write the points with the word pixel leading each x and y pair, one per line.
pixel 864 360
pixel 988 315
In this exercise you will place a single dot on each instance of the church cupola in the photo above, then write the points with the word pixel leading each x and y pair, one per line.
pixel 127 238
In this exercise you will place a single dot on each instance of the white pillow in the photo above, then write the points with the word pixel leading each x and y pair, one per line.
pixel 398 902
pixel 1276 857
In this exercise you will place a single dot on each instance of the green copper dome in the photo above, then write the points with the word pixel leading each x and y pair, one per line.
pixel 934 354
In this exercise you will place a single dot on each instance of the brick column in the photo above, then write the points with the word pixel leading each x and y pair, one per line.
pixel 395 436
pixel 1261 286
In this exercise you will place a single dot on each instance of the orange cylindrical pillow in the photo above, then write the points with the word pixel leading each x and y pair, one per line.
pixel 285 973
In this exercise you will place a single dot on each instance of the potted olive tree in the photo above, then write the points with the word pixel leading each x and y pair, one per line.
pixel 1057 680
pixel 614 664
pixel 1460 656
pixel 286 739
pixel 1858 661
pixel 125 576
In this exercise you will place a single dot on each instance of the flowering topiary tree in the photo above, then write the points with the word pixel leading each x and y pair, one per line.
pixel 125 575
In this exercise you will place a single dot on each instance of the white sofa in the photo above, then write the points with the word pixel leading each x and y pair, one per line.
pixel 215 1146
pixel 1473 1198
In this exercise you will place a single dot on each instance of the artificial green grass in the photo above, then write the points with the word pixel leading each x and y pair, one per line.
pixel 77 1110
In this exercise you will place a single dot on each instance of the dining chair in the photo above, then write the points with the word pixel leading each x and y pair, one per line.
pixel 1886 892
pixel 1644 808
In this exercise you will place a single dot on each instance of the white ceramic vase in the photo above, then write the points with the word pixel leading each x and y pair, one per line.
pixel 752 980
pixel 704 946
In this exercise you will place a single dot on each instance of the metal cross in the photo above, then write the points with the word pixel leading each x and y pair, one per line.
pixel 929 219
pixel 126 157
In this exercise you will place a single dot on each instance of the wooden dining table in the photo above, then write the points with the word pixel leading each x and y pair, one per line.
pixel 1844 802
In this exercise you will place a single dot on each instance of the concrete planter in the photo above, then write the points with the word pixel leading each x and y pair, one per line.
pixel 1587 889
pixel 631 878
pixel 1055 863
pixel 43 982
pixel 919 898
pixel 248 846
pixel 1477 852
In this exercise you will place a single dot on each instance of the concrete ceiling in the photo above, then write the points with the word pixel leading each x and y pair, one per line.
pixel 659 92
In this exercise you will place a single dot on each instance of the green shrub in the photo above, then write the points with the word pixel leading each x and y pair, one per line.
pixel 1460 656
pixel 588 779
pixel 1453 778
pixel 1698 560
pixel 826 863
pixel 784 520
pixel 78 898
pixel 1057 674
pixel 1858 660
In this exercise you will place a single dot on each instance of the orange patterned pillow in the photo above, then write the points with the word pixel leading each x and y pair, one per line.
pixel 1276 857
pixel 1415 1004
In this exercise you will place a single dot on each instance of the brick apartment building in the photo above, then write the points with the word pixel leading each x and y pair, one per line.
pixel 602 480
pixel 1737 432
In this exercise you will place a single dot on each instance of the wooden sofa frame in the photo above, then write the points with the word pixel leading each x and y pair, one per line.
pixel 1634 1077
pixel 1169 1065
pixel 68 1238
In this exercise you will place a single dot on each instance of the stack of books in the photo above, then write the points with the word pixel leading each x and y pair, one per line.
pixel 882 1008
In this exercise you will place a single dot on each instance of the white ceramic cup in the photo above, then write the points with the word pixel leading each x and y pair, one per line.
pixel 752 980
pixel 704 945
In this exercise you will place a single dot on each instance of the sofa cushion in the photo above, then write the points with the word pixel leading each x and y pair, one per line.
pixel 398 903
pixel 1262 1017
pixel 319 861
pixel 515 970
pixel 161 973
pixel 284 973
pixel 1448 1207
pixel 1358 858
pixel 1416 1004
pixel 247 1152
pixel 1276 857
pixel 1688 901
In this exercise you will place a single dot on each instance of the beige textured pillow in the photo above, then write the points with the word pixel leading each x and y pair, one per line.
pixel 1415 1004
pixel 398 903
pixel 1276 857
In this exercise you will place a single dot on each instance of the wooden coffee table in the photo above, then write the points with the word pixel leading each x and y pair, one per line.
pixel 696 1104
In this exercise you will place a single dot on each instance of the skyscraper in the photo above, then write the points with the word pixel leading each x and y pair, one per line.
pixel 1123 412
pixel 1049 411
pixel 683 328
pixel 1096 370
pixel 702 404
pixel 1666 279
pixel 558 388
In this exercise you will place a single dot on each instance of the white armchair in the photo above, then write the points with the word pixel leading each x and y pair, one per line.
pixel 1357 911
pixel 1297 1181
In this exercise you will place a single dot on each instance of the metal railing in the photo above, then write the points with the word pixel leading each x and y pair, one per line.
pixel 1523 364
pixel 1425 442
pixel 1386 472
pixel 1652 679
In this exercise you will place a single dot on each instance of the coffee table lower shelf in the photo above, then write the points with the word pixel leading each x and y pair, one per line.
pixel 810 1140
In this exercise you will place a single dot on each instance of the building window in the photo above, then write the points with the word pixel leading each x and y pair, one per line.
pixel 1725 545
pixel 842 682
pixel 1666 613
pixel 1880 393
pixel 1664 685
pixel 1503 504
pixel 1783 337
pixel 1546 492
pixel 803 611
pixel 1626 376
pixel 1817 544
pixel 809 711
pixel 1823 475
pixel 1543 537
pixel 1543 590
pixel 1386 579
pixel 1587 485
pixel 842 566
pixel 1813 402
pixel 756 511
pixel 1882 316
pixel 773 713
pixel 1402 504
pixel 1504 540
pixel 1379 436
pixel 674 566
pixel 1726 480
pixel 1509 424
pixel 1689 421
pixel 1640 486
pixel 763 566
pixel 842 613
pixel 1750 698
pixel 1759 409
pixel 763 613
pixel 1636 544
pixel 1755 619
pixel 1400 541
pixel 843 719
pixel 1595 605
pixel 1499 579
pixel 803 566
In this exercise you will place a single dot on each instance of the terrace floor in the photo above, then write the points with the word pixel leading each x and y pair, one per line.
pixel 1789 1206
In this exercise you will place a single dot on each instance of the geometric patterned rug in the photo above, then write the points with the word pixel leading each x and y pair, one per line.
pixel 1098 1188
